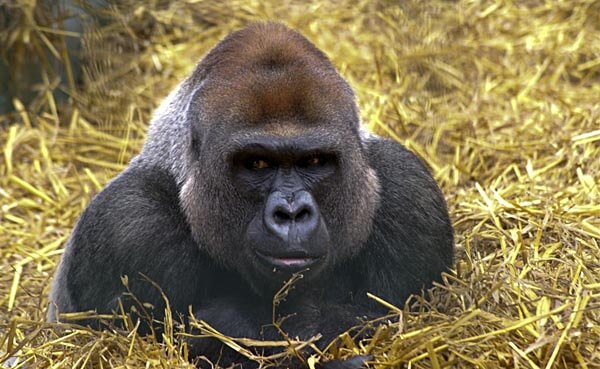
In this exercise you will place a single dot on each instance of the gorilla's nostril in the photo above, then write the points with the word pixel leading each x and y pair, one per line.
pixel 281 216
pixel 303 215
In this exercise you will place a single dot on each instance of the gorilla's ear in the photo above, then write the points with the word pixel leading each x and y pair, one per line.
pixel 194 112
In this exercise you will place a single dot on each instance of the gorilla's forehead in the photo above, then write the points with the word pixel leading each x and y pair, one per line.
pixel 299 95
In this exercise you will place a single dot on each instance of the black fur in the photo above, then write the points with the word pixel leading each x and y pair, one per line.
pixel 179 215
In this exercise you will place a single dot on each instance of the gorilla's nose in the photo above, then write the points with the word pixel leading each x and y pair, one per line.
pixel 292 220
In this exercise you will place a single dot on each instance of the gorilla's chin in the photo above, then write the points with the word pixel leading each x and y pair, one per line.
pixel 270 271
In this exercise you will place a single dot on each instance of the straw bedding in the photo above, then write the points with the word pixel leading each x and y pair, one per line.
pixel 500 98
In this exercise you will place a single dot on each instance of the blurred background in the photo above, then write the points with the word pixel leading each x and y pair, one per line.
pixel 500 98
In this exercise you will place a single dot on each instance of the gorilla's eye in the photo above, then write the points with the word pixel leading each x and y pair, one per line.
pixel 259 164
pixel 313 161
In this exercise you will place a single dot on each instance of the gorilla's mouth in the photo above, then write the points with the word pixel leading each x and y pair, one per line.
pixel 291 262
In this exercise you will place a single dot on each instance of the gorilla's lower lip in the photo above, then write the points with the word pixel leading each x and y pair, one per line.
pixel 291 262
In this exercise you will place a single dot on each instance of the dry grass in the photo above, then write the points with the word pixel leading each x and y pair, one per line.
pixel 501 98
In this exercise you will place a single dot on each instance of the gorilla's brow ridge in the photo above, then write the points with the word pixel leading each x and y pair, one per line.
pixel 299 145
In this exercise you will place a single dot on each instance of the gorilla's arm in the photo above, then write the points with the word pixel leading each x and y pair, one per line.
pixel 411 242
pixel 133 227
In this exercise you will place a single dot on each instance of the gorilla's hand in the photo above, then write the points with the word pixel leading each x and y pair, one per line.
pixel 328 319
pixel 356 362
pixel 229 317
pixel 235 318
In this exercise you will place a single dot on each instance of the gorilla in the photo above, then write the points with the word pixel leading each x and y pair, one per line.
pixel 254 169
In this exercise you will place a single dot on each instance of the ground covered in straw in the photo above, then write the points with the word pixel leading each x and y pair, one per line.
pixel 501 98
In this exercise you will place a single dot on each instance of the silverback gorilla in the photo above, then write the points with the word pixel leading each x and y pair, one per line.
pixel 255 167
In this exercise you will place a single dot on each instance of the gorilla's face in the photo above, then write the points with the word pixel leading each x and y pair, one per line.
pixel 283 200
pixel 288 181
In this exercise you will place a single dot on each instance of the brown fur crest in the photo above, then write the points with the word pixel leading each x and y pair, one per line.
pixel 268 72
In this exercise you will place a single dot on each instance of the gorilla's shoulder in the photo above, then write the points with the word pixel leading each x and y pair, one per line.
pixel 412 222
pixel 136 205
pixel 140 185
pixel 389 157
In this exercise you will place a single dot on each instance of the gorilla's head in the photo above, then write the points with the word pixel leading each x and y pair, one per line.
pixel 278 180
